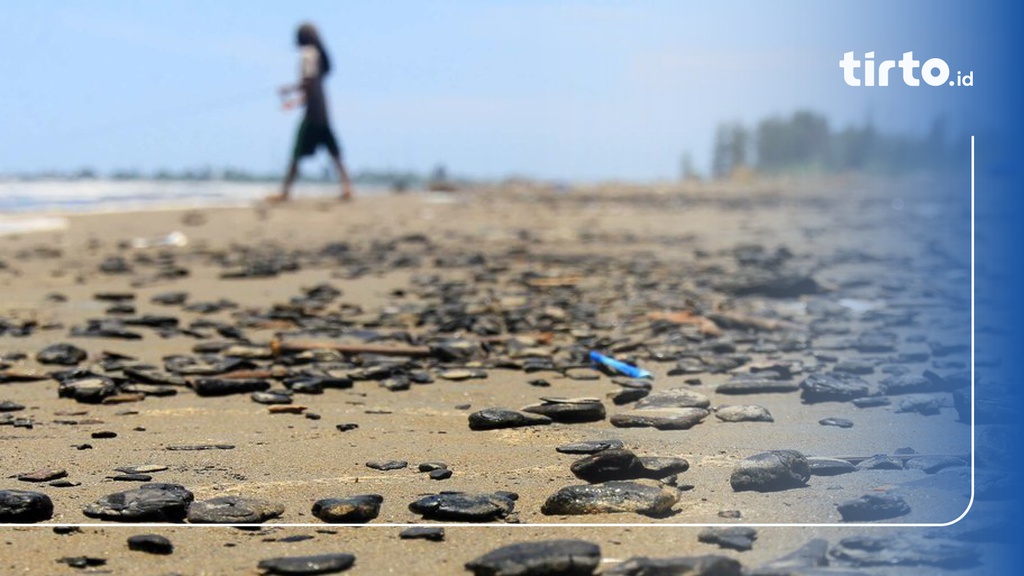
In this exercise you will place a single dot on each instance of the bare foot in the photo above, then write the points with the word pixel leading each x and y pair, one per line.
pixel 276 198
pixel 346 196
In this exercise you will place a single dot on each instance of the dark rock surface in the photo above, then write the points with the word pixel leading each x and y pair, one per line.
pixel 563 557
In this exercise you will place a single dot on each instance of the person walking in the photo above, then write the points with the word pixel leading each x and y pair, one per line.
pixel 315 129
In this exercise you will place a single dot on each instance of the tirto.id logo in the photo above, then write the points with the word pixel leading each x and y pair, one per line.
pixel 934 71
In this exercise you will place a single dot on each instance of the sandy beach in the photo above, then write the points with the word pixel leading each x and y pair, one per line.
pixel 703 285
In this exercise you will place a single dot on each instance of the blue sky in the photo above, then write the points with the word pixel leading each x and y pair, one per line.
pixel 568 89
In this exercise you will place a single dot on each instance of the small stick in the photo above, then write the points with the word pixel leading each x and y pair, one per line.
pixel 278 347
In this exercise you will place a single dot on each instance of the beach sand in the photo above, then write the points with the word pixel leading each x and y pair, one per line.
pixel 386 255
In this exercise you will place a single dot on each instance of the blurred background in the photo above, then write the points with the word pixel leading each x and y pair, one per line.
pixel 570 90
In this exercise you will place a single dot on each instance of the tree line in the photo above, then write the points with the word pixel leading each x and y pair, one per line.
pixel 805 143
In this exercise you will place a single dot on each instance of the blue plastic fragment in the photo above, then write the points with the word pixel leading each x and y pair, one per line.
pixel 619 366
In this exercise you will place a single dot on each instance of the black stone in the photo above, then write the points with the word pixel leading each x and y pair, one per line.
pixel 932 464
pixel 22 506
pixel 905 550
pixel 431 533
pixel 351 510
pixel 835 387
pixel 542 558
pixel 709 565
pixel 873 507
pixel 386 465
pixel 442 474
pixel 589 446
pixel 838 422
pixel 463 506
pixel 61 354
pixel 660 418
pixel 771 471
pixel 150 543
pixel 569 411
pixel 645 497
pixel 155 502
pixel 307 565
pixel 494 418
pixel 738 538
pixel 223 387
pixel 233 510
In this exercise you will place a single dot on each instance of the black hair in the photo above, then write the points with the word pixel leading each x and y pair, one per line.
pixel 308 36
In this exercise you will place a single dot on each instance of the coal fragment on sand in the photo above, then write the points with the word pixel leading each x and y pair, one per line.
pixel 740 538
pixel 464 506
pixel 708 565
pixel 873 506
pixel 350 510
pixel 771 471
pixel 155 502
pixel 307 565
pixel 150 543
pixel 646 497
pixel 568 557
pixel 23 506
pixel 233 510
pixel 494 418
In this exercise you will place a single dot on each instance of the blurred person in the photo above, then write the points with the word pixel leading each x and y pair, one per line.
pixel 315 129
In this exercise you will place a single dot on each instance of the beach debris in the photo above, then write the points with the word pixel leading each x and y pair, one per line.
pixel 770 471
pixel 561 557
pixel 156 502
pixel 836 421
pixel 348 510
pixel 23 506
pixel 569 410
pixel 739 538
pixel 617 366
pixel 674 398
pixel 825 466
pixel 233 510
pixel 150 543
pixel 465 506
pixel 494 418
pixel 620 464
pixel 589 446
pixel 708 565
pixel 660 418
pixel 905 549
pixel 743 413
pixel 385 465
pixel 646 497
pixel 431 533
pixel 834 387
pixel 873 506
pixel 62 354
pixel 307 565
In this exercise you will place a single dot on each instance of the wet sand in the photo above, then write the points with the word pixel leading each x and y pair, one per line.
pixel 847 234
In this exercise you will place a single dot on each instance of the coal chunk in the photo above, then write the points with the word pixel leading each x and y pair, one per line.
pixel 494 418
pixel 464 506
pixel 771 471
pixel 150 543
pixel 739 538
pixel 61 354
pixel 307 565
pixel 873 506
pixel 708 565
pixel 835 387
pixel 563 557
pixel 23 506
pixel 354 509
pixel 157 502
pixel 645 497
pixel 233 510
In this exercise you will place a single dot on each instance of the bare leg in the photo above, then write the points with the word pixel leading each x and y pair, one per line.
pixel 346 184
pixel 286 186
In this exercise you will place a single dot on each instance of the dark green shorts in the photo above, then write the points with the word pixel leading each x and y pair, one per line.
pixel 311 137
